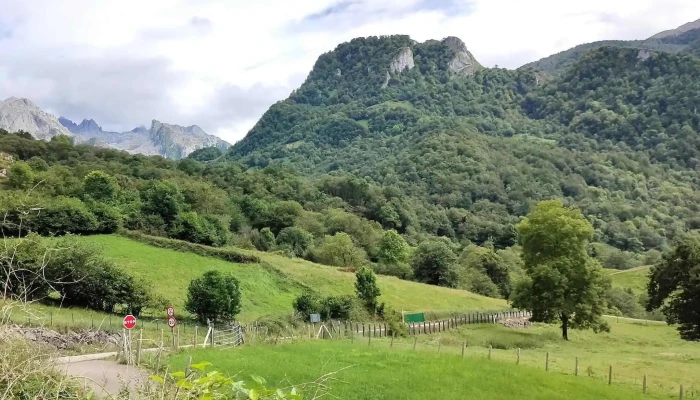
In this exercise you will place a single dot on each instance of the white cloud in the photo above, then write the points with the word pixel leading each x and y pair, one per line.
pixel 221 63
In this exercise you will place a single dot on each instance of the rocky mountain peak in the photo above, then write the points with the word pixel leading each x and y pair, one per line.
pixel 19 114
pixel 89 126
pixel 463 62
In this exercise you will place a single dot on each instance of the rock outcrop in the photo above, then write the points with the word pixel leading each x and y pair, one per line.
pixel 402 61
pixel 23 115
pixel 463 62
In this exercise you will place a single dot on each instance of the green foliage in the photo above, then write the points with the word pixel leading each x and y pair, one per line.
pixel 163 199
pixel 214 297
pixel 434 263
pixel 295 239
pixel 675 286
pixel 366 288
pixel 340 250
pixel 64 215
pixel 626 302
pixel 563 283
pixel 264 240
pixel 195 228
pixel 20 175
pixel 393 249
pixel 205 154
pixel 99 186
pixel 331 307
pixel 484 262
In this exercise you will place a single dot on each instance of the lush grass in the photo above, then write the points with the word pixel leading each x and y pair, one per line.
pixel 635 278
pixel 270 287
pixel 633 348
pixel 380 372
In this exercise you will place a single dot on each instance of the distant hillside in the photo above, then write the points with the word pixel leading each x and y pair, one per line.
pixel 464 156
pixel 171 141
pixel 683 39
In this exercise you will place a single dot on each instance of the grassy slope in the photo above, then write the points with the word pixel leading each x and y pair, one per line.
pixel 269 289
pixel 633 348
pixel 635 278
pixel 379 372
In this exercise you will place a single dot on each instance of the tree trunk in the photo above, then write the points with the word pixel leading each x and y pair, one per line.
pixel 565 326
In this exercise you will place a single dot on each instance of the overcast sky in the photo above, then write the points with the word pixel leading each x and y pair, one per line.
pixel 221 63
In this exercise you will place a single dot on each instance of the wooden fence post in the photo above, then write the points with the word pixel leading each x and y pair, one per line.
pixel 177 339
pixel 439 345
pixel 681 395
pixel 546 363
pixel 644 385
pixel 490 348
pixel 517 362
pixel 138 348
pixel 610 375
pixel 196 329
pixel 392 341
pixel 369 340
pixel 576 367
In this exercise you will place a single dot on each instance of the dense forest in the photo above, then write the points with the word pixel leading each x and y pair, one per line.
pixel 465 157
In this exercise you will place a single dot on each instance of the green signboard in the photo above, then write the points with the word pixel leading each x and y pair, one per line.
pixel 419 317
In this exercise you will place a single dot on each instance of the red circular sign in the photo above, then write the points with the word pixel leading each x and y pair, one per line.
pixel 171 311
pixel 171 322
pixel 129 322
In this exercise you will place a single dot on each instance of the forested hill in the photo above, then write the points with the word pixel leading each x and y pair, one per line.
pixel 446 147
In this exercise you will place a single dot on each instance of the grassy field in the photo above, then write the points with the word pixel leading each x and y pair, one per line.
pixel 268 288
pixel 635 278
pixel 633 348
pixel 380 372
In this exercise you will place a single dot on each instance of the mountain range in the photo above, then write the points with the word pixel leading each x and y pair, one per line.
pixel 171 141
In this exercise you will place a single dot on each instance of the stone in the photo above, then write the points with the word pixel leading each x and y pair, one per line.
pixel 403 60
pixel 644 54
pixel 22 115
pixel 463 62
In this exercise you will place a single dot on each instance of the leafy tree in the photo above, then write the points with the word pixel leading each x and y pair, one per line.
pixel 100 186
pixel 163 199
pixel 434 263
pixel 296 239
pixel 366 288
pixel 195 228
pixel 205 154
pixel 393 248
pixel 20 175
pixel 214 297
pixel 674 286
pixel 340 250
pixel 487 262
pixel 563 283
pixel 264 240
pixel 306 304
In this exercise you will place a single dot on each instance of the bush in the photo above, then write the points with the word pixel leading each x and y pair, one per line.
pixel 339 250
pixel 20 175
pixel 99 186
pixel 64 215
pixel 399 270
pixel 332 307
pixel 434 263
pixel 108 217
pixel 295 239
pixel 263 240
pixel 306 304
pixel 214 297
pixel 366 288
pixel 195 228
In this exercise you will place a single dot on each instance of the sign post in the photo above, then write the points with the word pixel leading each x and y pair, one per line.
pixel 129 324
pixel 170 311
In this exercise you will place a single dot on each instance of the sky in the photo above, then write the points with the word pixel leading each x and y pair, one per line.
pixel 221 64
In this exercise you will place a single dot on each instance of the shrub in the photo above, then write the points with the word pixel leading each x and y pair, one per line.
pixel 108 217
pixel 434 263
pixel 20 175
pixel 229 255
pixel 64 215
pixel 214 297
pixel 99 186
pixel 195 228
pixel 306 304
pixel 339 250
pixel 366 288
pixel 296 239
pixel 263 240
pixel 337 307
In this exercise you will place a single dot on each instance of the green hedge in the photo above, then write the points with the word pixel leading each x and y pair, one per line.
pixel 179 245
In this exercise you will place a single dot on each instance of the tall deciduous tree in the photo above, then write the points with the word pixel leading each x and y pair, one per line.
pixel 563 282
pixel 675 286
pixel 434 263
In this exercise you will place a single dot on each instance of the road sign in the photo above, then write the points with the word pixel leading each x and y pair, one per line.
pixel 172 322
pixel 315 317
pixel 129 322
pixel 171 311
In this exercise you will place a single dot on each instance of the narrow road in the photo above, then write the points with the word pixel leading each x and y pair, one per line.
pixel 105 377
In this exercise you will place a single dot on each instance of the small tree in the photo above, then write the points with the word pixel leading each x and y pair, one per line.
pixel 214 296
pixel 675 286
pixel 99 186
pixel 296 239
pixel 340 250
pixel 366 288
pixel 563 283
pixel 20 175
pixel 434 263
pixel 393 249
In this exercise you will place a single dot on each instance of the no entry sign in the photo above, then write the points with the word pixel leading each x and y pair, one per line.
pixel 129 322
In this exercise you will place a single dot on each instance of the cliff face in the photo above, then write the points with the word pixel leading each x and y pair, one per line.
pixel 23 115
pixel 463 62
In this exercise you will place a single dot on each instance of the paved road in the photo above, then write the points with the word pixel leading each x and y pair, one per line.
pixel 106 377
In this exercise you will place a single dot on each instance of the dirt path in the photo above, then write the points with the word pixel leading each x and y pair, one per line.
pixel 105 377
